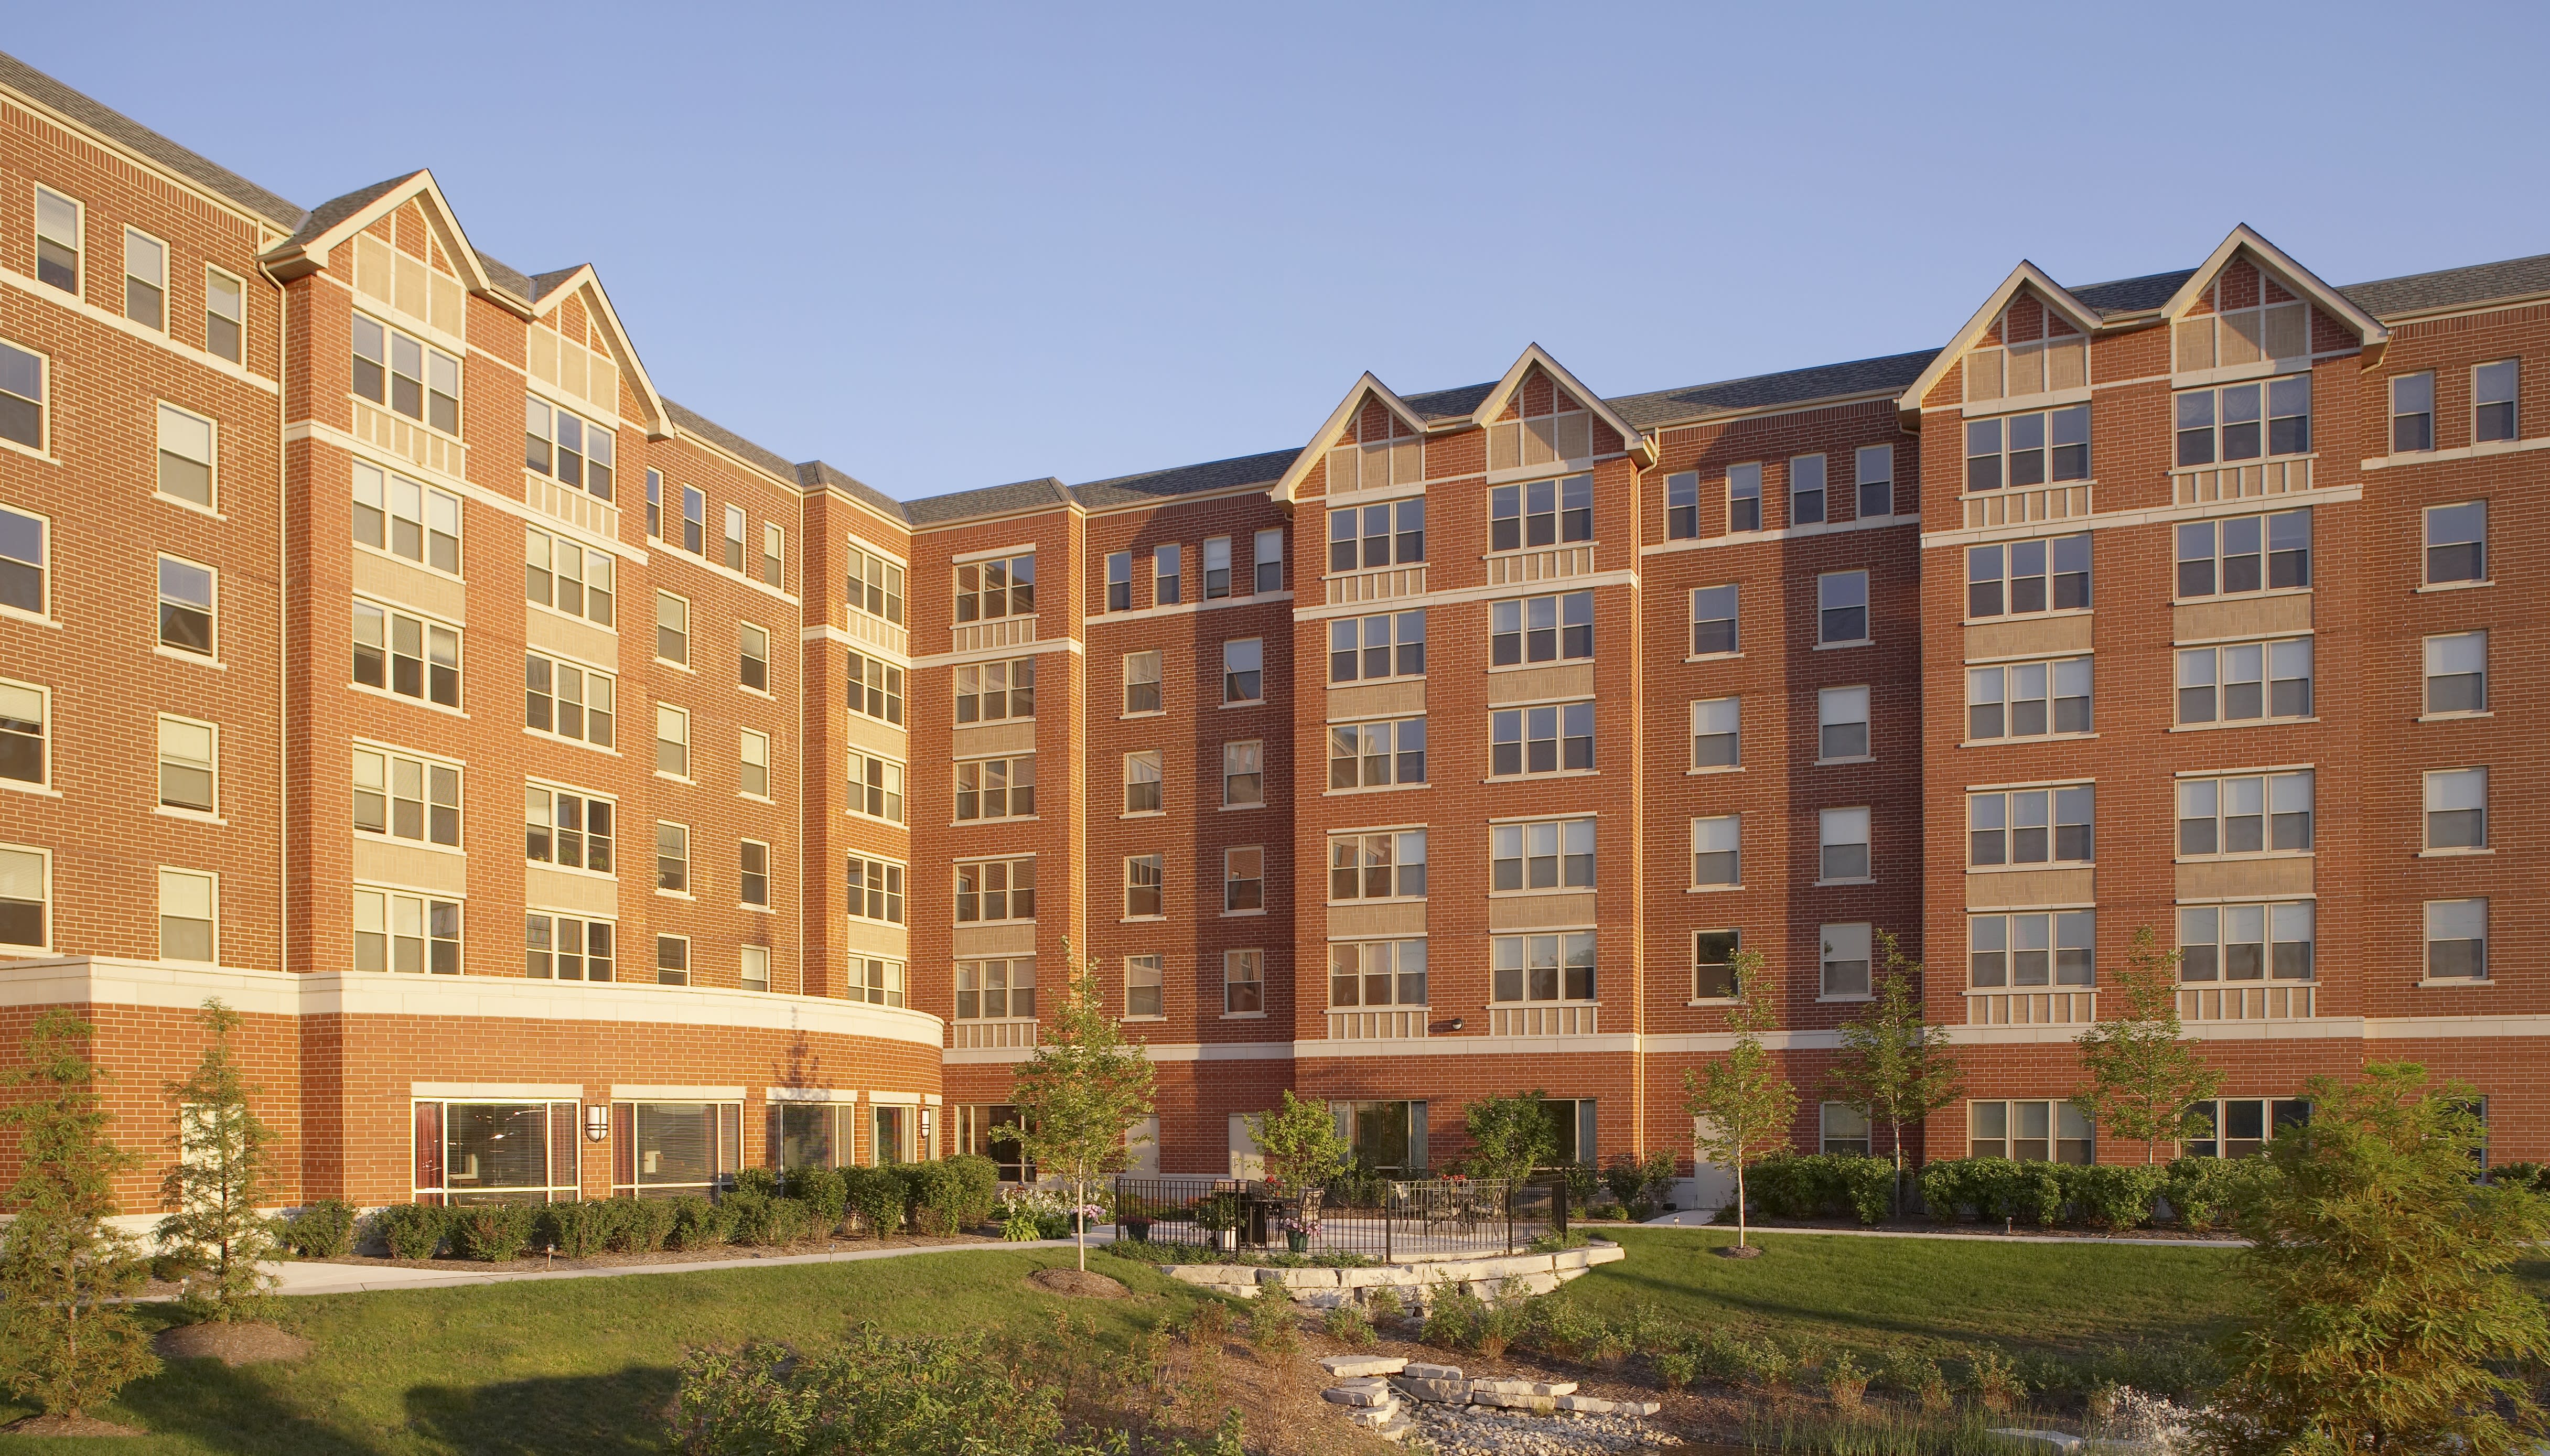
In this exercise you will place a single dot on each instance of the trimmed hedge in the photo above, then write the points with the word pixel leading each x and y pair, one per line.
pixel 699 1224
pixel 2192 1193
pixel 1816 1185
pixel 411 1230
pixel 492 1233
pixel 759 1220
pixel 324 1229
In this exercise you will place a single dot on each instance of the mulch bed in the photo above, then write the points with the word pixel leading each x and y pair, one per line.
pixel 676 1256
pixel 67 1425
pixel 234 1343
pixel 1078 1282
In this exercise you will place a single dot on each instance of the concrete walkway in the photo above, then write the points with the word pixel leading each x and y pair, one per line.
pixel 320 1278
pixel 1700 1219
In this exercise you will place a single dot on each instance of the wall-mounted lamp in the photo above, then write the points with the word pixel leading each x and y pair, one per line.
pixel 1456 1024
pixel 597 1122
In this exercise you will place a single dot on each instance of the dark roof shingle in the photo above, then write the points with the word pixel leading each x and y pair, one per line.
pixel 2452 287
pixel 818 475
pixel 35 84
pixel 993 500
pixel 1240 470
pixel 2133 295
pixel 1769 391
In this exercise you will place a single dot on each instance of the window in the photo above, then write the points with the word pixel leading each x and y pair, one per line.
pixel 1841 724
pixel 2035 827
pixel 1540 629
pixel 2029 700
pixel 1712 621
pixel 2036 357
pixel 1243 880
pixel 673 629
pixel 1745 497
pixel 2247 813
pixel 186 915
pixel 2245 553
pixel 694 518
pixel 2245 943
pixel 1217 568
pixel 568 829
pixel 23 895
pixel 1243 774
pixel 2457 808
pixel 2030 1132
pixel 987 591
pixel 1844 1129
pixel 2244 422
pixel 1392 534
pixel 660 1148
pixel 754 670
pixel 479 1152
pixel 1369 755
pixel 1876 476
pixel 1841 608
pixel 185 456
pixel 1142 986
pixel 654 504
pixel 1527 968
pixel 996 787
pixel 2248 683
pixel 406 797
pixel 2240 1127
pixel 876 686
pixel 1845 961
pixel 567 700
pixel 1842 836
pixel 187 756
pixel 876 890
pixel 2029 576
pixel 2457 673
pixel 22 744
pixel 2027 450
pixel 672 960
pixel 57 241
pixel 1166 586
pixel 991 692
pixel 567 947
pixel 1540 513
pixel 2493 401
pixel 1142 886
pixel 1717 851
pixel 1243 983
pixel 1267 555
pixel 1386 865
pixel 411 378
pixel 1143 782
pixel 673 857
pixel 2457 542
pixel 223 317
pixel 876 787
pixel 1120 581
pixel 1384 460
pixel 1716 733
pixel 995 989
pixel 995 890
pixel 406 655
pixel 1806 490
pixel 2039 948
pixel 876 585
pixel 752 967
pixel 1682 506
pixel 1366 649
pixel 404 519
pixel 672 741
pixel 1378 973
pixel 22 549
pixel 752 859
pixel 774 554
pixel 734 534
pixel 415 935
pixel 146 279
pixel 1243 677
pixel 186 610
pixel 579 453
pixel 1713 965
pixel 1555 738
pixel 1142 682
pixel 1554 854
pixel 22 397
pixel 2457 940
pixel 877 981
pixel 2412 414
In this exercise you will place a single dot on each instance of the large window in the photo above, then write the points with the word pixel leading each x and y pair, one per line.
pixel 185 456
pixel 2027 450
pixel 1392 534
pixel 2412 414
pixel 2457 808
pixel 1371 755
pixel 670 1149
pixel 2028 700
pixel 993 692
pixel 2033 949
pixel 2031 826
pixel 2241 1127
pixel 1713 620
pixel 495 1152
pixel 876 687
pixel 577 452
pixel 407 797
pixel 2244 422
pixel 996 787
pixel 1387 864
pixel 1553 737
pixel 876 787
pixel 1243 670
pixel 1717 851
pixel 995 989
pixel 22 552
pixel 412 933
pixel 2245 943
pixel 987 591
pixel 808 1135
pixel 1243 774
pixel 22 397
pixel 557 573
pixel 1389 1137
pixel 1841 608
pixel 1143 888
pixel 2492 391
pixel 569 701
pixel 1142 682
pixel 1530 968
pixel 1243 983
pixel 1540 629
pixel 564 828
pixel 407 656
pixel 991 1131
pixel 876 585
pixel 1378 973
pixel 1365 649
pixel 1842 842
pixel 1843 1129
pixel 187 594
pixel 1716 733
pixel 2245 553
pixel 1551 854
pixel 877 981
pixel 422 382
pixel 1244 879
pixel 2457 940
pixel 2457 542
pixel 2029 576
pixel 2246 813
pixel 2457 673
pixel 1540 513
pixel 2250 682
pixel 567 947
pixel 2029 1131
pixel 1143 774
pixel 876 889
pixel 24 896
pixel 995 890
pixel 1713 965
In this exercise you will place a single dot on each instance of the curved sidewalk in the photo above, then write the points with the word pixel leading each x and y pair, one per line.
pixel 323 1278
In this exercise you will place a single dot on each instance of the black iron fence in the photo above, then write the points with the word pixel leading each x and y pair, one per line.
pixel 1393 1221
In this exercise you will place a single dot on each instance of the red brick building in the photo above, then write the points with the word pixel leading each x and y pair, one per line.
pixel 1455 748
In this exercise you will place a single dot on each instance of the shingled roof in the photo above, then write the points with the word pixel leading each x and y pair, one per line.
pixel 1885 374
pixel 2131 295
pixel 817 476
pixel 108 122
pixel 2453 287
pixel 1231 474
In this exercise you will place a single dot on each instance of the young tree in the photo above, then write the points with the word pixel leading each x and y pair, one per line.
pixel 218 1181
pixel 1300 1143
pixel 1742 1105
pixel 1080 1093
pixel 2387 1320
pixel 64 1341
pixel 2145 1074
pixel 1893 1064
pixel 1508 1135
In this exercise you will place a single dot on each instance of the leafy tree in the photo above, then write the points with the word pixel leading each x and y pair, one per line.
pixel 1080 1093
pixel 218 1181
pixel 2145 1074
pixel 2385 1317
pixel 1741 1104
pixel 1508 1135
pixel 1897 1066
pixel 64 1341
pixel 1299 1142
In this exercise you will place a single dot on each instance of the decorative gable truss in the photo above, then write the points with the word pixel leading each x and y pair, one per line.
pixel 1539 415
pixel 2250 307
pixel 2033 348
pixel 577 347
pixel 1377 449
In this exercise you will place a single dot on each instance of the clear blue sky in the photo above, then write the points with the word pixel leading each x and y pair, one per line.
pixel 945 246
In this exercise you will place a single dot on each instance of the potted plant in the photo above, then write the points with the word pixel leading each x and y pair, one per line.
pixel 1137 1228
pixel 1219 1215
pixel 1298 1230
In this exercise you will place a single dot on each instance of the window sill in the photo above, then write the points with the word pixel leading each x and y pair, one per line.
pixel 2463 852
pixel 162 650
pixel 2460 982
pixel 1531 666
pixel 1378 900
pixel 663 894
pixel 546 735
pixel 1534 778
pixel 1696 773
pixel 2280 590
pixel 1710 889
pixel 1857 880
pixel 1140 919
pixel 1144 814
pixel 1238 808
pixel 183 504
pixel 385 695
pixel 1020 819
pixel 1854 759
pixel 677 778
pixel 2239 857
pixel 1713 657
pixel 678 666
pixel 2054 614
pixel 2451 586
pixel 192 816
pixel 1242 703
pixel 1855 1000
pixel 1716 1000
pixel 15 449
pixel 1541 893
pixel 1367 682
pixel 1840 646
pixel 2453 717
pixel 1148 712
pixel 1372 788
pixel 1243 1016
pixel 1130 1020
pixel 12 614
pixel 2036 738
pixel 20 786
pixel 2084 864
pixel 2245 722
pixel 1515 1006
pixel 1240 914
pixel 863 814
pixel 749 691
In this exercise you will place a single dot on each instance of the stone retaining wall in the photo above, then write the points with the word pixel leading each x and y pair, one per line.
pixel 1535 1274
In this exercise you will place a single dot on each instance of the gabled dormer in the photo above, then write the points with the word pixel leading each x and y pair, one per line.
pixel 1371 441
pixel 2251 311
pixel 2028 345
pixel 576 349
pixel 1541 416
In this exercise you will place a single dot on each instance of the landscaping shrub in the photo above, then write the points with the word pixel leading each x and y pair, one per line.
pixel 411 1230
pixel 979 1180
pixel 579 1229
pixel 1383 1302
pixel 2181 1369
pixel 324 1229
pixel 1845 1381
pixel 1786 1186
pixel 492 1233
pixel 1816 1185
pixel 934 1196
pixel 2114 1197
pixel 640 1225
pixel 1995 1382
pixel 1562 1329
pixel 2533 1176
pixel 2200 1190
pixel 763 1181
pixel 698 1225
pixel 762 1220
pixel 876 1195
pixel 1676 1368
pixel 1274 1329
pixel 1943 1184
pixel 1451 1316
pixel 1347 1325
pixel 825 1195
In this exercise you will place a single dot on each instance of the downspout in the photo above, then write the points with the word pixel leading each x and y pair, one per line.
pixel 282 626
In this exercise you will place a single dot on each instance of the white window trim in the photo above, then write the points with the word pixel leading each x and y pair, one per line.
pixel 45 785
pixel 45 858
pixel 212 464
pixel 161 913
pixel 212 815
pixel 43 616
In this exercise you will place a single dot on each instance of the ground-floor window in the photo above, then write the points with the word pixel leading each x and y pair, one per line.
pixel 811 1134
pixel 2238 1127
pixel 991 1131
pixel 494 1153
pixel 1844 1129
pixel 2030 1132
pixel 899 1134
pixel 1571 1129
pixel 1388 1138
pixel 665 1150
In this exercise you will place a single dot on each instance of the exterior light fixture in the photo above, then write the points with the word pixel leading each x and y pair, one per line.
pixel 597 1122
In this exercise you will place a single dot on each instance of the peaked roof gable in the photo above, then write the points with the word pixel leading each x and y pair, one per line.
pixel 2027 275
pixel 1288 485
pixel 553 289
pixel 312 246
pixel 2304 283
pixel 1633 438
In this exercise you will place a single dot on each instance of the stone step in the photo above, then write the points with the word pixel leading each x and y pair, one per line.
pixel 1435 1392
pixel 1591 1406
pixel 1548 1387
pixel 1537 1404
pixel 1348 1367
pixel 1419 1370
pixel 1377 1392
pixel 1376 1416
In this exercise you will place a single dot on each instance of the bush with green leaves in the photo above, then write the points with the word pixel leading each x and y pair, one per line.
pixel 936 1196
pixel 980 1179
pixel 762 1220
pixel 767 1182
pixel 1821 1185
pixel 1561 1327
pixel 699 1224
pixel 411 1230
pixel 1274 1327
pixel 876 1195
pixel 2202 1191
pixel 492 1233
pixel 580 1228
pixel 1347 1325
pixel 2115 1196
pixel 1996 1188
pixel 1452 1315
pixel 2532 1176
pixel 321 1229
pixel 823 1191
pixel 1676 1368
